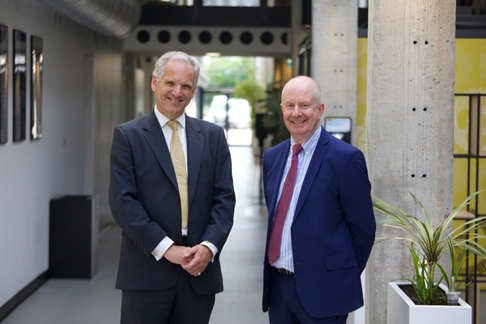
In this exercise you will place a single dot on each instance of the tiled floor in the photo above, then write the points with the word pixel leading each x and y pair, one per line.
pixel 96 301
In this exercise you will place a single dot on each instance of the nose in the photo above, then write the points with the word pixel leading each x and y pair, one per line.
pixel 297 111
pixel 177 91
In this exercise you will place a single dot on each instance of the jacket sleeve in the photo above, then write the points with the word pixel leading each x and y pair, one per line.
pixel 126 209
pixel 357 206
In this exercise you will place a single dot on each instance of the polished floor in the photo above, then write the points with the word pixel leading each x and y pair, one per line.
pixel 96 301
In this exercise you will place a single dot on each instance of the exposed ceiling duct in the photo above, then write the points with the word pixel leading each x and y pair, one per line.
pixel 112 18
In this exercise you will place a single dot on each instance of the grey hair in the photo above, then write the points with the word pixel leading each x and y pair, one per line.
pixel 317 88
pixel 159 68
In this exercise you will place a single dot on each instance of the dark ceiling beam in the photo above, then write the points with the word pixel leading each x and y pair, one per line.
pixel 216 16
pixel 111 18
pixel 471 22
pixel 263 16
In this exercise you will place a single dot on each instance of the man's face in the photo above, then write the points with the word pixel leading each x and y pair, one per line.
pixel 301 113
pixel 174 90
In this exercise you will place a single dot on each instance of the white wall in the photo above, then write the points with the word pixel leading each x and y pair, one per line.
pixel 109 111
pixel 34 172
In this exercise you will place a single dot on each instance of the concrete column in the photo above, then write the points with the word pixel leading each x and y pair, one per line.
pixel 298 35
pixel 334 56
pixel 410 124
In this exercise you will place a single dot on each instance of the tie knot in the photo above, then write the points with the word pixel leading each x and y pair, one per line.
pixel 172 124
pixel 296 149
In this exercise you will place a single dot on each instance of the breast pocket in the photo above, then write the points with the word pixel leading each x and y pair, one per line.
pixel 324 179
pixel 206 162
pixel 206 170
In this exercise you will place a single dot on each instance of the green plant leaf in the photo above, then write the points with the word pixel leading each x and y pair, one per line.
pixel 432 243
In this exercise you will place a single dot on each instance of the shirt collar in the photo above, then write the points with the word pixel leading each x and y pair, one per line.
pixel 163 119
pixel 309 145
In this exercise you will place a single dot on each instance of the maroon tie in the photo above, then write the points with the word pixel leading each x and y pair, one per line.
pixel 283 207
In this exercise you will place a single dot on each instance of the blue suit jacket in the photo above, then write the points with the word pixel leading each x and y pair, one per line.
pixel 144 200
pixel 333 229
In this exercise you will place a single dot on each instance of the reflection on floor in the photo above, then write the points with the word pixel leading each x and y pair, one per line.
pixel 96 301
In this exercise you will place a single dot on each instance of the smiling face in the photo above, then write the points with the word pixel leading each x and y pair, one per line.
pixel 174 90
pixel 301 111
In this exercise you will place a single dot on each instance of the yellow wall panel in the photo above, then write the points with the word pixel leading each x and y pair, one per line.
pixel 461 125
pixel 460 181
pixel 482 185
pixel 470 76
pixel 361 96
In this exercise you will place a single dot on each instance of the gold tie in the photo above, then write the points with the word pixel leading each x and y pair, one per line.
pixel 179 163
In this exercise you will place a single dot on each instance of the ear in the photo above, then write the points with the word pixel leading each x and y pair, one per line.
pixel 321 110
pixel 154 83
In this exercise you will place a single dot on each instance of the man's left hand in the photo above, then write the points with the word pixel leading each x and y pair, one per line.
pixel 200 255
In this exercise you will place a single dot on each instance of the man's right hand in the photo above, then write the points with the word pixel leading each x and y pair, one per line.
pixel 176 253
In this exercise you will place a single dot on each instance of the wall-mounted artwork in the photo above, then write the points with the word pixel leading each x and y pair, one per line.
pixel 37 58
pixel 3 84
pixel 19 85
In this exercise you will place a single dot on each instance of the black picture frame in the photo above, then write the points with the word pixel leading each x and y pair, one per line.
pixel 19 85
pixel 3 84
pixel 37 59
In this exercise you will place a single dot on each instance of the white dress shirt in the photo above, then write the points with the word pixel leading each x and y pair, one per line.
pixel 167 242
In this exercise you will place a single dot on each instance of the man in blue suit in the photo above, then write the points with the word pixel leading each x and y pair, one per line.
pixel 174 222
pixel 321 225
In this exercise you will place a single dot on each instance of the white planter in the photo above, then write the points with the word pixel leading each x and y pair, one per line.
pixel 402 310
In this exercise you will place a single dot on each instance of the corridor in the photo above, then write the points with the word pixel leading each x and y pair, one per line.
pixel 96 301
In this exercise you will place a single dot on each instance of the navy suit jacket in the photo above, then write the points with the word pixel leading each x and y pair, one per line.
pixel 333 229
pixel 144 201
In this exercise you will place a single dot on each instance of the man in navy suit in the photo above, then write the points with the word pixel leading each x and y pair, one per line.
pixel 321 225
pixel 174 222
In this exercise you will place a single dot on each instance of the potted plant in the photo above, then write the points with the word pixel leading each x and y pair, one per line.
pixel 452 285
pixel 427 245
pixel 402 309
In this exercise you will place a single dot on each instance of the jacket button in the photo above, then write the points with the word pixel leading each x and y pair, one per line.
pixel 178 201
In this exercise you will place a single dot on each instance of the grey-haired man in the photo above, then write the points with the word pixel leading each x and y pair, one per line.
pixel 175 222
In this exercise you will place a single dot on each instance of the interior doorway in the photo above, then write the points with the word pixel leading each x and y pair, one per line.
pixel 233 114
pixel 235 86
pixel 231 92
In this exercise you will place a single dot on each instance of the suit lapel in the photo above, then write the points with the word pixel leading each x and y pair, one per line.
pixel 195 148
pixel 275 180
pixel 156 140
pixel 314 166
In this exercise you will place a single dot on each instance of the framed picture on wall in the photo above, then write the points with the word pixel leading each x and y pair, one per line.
pixel 37 59
pixel 3 84
pixel 19 85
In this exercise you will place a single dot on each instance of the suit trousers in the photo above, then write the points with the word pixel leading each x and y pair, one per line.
pixel 285 307
pixel 176 305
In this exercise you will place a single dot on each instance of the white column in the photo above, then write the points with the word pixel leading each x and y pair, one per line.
pixel 298 35
pixel 410 107
pixel 334 56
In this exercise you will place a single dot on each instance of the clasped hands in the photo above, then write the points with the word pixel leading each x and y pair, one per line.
pixel 194 260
